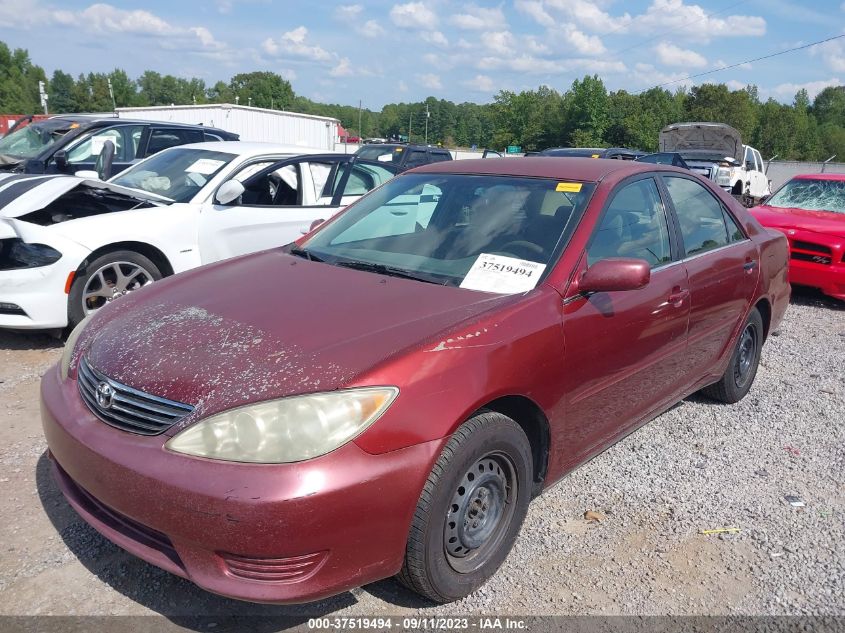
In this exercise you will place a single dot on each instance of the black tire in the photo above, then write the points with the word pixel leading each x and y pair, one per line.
pixel 487 451
pixel 76 310
pixel 742 368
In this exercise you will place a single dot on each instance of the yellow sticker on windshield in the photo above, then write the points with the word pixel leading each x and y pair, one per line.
pixel 398 149
pixel 568 187
pixel 595 156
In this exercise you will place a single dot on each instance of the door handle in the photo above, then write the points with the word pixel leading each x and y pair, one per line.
pixel 678 296
pixel 749 265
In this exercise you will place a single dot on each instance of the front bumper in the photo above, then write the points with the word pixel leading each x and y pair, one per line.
pixel 830 279
pixel 40 295
pixel 263 533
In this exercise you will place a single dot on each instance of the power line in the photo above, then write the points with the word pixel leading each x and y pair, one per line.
pixel 748 61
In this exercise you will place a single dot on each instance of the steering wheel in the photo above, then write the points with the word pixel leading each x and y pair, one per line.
pixel 528 249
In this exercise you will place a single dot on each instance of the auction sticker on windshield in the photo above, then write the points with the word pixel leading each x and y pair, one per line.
pixel 507 275
pixel 205 166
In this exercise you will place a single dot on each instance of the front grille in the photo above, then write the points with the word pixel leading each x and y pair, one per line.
pixel 825 260
pixel 126 408
pixel 273 569
pixel 809 246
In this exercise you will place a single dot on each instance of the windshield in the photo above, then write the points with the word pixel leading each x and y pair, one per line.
pixel 177 173
pixel 813 194
pixel 582 152
pixel 383 153
pixel 29 141
pixel 489 233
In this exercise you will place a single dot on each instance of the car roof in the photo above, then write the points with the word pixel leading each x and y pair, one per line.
pixel 250 148
pixel 819 177
pixel 586 169
pixel 93 119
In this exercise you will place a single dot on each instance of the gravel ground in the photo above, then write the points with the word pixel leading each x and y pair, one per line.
pixel 699 466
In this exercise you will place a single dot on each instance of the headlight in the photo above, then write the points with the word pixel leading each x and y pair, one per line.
pixel 70 344
pixel 16 254
pixel 286 430
pixel 723 177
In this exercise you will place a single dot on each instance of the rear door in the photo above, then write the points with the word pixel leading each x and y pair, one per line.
pixel 722 266
pixel 626 350
pixel 162 137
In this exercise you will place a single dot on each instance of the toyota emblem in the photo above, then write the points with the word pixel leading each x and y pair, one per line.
pixel 105 395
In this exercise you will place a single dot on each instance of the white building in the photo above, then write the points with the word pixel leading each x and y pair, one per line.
pixel 251 124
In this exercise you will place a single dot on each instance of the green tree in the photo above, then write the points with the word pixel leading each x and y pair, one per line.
pixel 61 93
pixel 587 116
pixel 265 89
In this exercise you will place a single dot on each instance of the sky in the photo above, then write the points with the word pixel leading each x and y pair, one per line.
pixel 383 51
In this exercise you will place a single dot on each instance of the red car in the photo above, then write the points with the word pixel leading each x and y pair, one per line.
pixel 810 210
pixel 386 396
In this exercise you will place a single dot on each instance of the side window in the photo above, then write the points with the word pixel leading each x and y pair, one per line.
pixel 125 140
pixel 750 163
pixel 257 190
pixel 416 158
pixel 759 160
pixel 320 174
pixel 700 215
pixel 208 136
pixel 162 138
pixel 363 178
pixel 437 157
pixel 267 187
pixel 634 225
pixel 735 234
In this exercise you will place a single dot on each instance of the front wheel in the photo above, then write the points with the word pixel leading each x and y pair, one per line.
pixel 471 509
pixel 742 368
pixel 105 279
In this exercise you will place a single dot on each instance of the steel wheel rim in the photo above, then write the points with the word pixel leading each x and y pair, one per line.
pixel 111 281
pixel 480 512
pixel 745 358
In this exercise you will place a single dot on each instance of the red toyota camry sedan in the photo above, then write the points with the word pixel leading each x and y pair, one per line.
pixel 386 396
pixel 810 210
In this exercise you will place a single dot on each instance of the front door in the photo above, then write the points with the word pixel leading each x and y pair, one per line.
pixel 625 351
pixel 722 265
pixel 82 156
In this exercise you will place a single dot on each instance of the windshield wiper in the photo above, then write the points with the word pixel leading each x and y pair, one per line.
pixel 301 252
pixel 390 271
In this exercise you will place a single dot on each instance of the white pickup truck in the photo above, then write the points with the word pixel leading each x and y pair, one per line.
pixel 715 150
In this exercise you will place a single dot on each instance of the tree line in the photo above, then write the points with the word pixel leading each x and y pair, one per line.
pixel 584 115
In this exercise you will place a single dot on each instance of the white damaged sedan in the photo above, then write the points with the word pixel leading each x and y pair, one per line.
pixel 68 245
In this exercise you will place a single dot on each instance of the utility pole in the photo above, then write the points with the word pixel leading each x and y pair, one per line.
pixel 410 116
pixel 427 115
pixel 360 132
pixel 111 94
pixel 43 94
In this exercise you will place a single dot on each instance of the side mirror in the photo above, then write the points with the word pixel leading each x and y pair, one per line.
pixel 763 199
pixel 104 161
pixel 615 274
pixel 60 158
pixel 229 191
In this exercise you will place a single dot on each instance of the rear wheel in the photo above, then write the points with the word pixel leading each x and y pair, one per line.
pixel 105 279
pixel 742 368
pixel 471 509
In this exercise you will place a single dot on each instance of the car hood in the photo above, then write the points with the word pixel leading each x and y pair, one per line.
pixel 712 137
pixel 266 326
pixel 20 195
pixel 824 222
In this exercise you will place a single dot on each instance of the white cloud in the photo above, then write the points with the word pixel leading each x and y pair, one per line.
pixel 479 18
pixel 812 87
pixel 535 9
pixel 692 21
pixel 671 55
pixel 343 68
pixel 590 15
pixel 536 46
pixel 645 76
pixel 431 81
pixel 403 87
pixel 582 43
pixel 531 65
pixel 371 29
pixel 480 83
pixel 833 54
pixel 733 84
pixel 105 18
pixel 434 37
pixel 294 43
pixel 500 42
pixel 413 15
pixel 348 11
